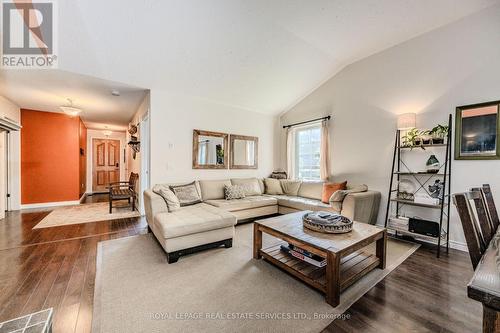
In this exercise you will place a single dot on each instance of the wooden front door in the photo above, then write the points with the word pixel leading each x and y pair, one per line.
pixel 105 163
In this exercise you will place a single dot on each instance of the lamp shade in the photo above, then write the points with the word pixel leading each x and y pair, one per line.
pixel 407 120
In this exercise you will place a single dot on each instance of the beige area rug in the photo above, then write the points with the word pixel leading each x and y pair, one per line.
pixel 85 213
pixel 219 290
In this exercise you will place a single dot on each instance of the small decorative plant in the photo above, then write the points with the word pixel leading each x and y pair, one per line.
pixel 438 134
pixel 426 137
pixel 412 138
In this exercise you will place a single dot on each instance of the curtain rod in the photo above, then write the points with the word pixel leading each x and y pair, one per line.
pixel 308 121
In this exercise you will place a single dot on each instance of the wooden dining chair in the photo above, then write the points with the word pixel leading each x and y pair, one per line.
pixel 472 232
pixel 491 208
pixel 483 216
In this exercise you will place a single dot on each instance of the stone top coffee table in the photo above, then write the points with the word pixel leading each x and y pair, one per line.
pixel 346 261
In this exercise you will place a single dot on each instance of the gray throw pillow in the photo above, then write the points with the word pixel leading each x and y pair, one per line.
pixel 187 194
pixel 234 192
pixel 273 186
pixel 172 201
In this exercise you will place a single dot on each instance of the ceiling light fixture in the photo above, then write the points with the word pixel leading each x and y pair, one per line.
pixel 107 132
pixel 70 110
pixel 115 92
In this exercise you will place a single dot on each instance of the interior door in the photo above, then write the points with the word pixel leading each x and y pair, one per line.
pixel 105 163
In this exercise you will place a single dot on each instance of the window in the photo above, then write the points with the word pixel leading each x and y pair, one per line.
pixel 307 148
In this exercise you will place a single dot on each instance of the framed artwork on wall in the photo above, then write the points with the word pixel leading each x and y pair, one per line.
pixel 477 134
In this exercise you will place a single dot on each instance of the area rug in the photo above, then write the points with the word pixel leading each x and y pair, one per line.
pixel 93 212
pixel 219 290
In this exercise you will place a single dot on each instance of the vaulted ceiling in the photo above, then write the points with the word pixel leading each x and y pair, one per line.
pixel 258 55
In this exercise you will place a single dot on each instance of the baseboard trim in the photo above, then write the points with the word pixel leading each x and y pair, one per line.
pixel 459 246
pixel 453 245
pixel 50 204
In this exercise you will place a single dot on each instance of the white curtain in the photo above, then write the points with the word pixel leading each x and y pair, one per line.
pixel 290 152
pixel 324 153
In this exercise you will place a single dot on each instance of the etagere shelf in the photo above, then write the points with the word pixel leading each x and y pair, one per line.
pixel 444 173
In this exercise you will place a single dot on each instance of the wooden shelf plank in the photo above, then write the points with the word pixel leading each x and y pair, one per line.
pixel 413 203
pixel 409 233
pixel 402 173
pixel 309 276
pixel 352 268
pixel 425 146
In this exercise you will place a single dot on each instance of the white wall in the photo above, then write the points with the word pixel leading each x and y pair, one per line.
pixel 431 75
pixel 97 134
pixel 173 119
pixel 134 165
pixel 141 161
pixel 13 112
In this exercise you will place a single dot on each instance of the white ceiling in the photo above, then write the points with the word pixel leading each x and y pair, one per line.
pixel 49 89
pixel 258 55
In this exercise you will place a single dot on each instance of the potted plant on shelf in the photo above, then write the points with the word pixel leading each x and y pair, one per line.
pixel 426 137
pixel 418 139
pixel 412 139
pixel 438 133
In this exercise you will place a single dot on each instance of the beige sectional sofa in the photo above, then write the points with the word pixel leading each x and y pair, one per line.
pixel 211 223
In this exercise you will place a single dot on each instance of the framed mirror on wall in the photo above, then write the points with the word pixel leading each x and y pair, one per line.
pixel 244 152
pixel 477 132
pixel 210 150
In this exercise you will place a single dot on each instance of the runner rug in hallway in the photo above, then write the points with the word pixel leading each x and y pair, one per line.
pixel 86 213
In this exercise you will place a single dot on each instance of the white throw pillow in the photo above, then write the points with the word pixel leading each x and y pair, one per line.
pixel 338 196
pixel 273 186
pixel 171 200
pixel 290 187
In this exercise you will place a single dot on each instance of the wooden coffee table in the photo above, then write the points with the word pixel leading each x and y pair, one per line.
pixel 346 261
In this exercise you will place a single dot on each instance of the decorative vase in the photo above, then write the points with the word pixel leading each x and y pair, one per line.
pixel 432 165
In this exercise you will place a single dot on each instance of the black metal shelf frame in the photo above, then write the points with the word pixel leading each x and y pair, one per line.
pixel 443 206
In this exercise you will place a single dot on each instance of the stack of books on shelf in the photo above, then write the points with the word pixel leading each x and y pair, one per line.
pixel 303 255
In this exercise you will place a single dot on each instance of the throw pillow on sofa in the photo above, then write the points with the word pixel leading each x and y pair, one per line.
pixel 171 200
pixel 290 187
pixel 340 195
pixel 234 192
pixel 330 188
pixel 273 186
pixel 250 185
pixel 187 194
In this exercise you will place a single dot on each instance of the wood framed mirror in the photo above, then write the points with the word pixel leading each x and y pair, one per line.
pixel 210 150
pixel 244 152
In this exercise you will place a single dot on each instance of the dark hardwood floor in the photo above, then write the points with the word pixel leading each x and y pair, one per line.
pixel 55 267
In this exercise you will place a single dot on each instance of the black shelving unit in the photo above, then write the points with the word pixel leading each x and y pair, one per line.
pixel 444 199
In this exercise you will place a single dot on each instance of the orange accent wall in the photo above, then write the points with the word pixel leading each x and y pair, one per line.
pixel 82 132
pixel 50 162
